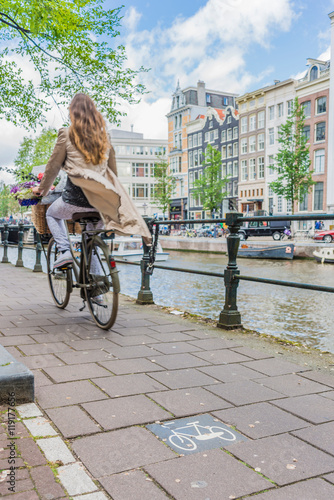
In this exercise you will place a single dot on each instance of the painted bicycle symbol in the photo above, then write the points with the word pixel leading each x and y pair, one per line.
pixel 185 437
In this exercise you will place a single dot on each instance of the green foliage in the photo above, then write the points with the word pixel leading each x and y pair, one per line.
pixel 292 162
pixel 72 47
pixel 8 205
pixel 210 187
pixel 165 184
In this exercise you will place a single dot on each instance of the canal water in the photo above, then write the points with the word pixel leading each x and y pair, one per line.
pixel 289 313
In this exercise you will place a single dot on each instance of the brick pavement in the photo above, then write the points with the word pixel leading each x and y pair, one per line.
pixel 85 437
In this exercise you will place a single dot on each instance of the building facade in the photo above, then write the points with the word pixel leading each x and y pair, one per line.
pixel 135 158
pixel 187 104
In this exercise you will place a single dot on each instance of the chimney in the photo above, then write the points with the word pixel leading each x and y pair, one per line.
pixel 131 128
pixel 201 100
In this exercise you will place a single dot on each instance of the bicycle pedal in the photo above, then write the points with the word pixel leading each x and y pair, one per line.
pixel 83 307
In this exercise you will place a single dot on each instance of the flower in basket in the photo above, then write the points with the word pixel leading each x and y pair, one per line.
pixel 23 193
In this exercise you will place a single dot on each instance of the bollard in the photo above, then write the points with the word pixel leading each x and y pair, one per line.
pixel 145 295
pixel 230 317
pixel 19 262
pixel 38 265
pixel 5 245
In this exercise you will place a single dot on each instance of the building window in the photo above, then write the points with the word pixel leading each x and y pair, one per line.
pixel 229 134
pixel 229 119
pixel 261 100
pixel 195 158
pixel 271 132
pixel 260 142
pixel 270 164
pixel 319 161
pixel 307 108
pixel 235 133
pixel 223 152
pixel 244 106
pixel 280 110
pixel 289 105
pixel 303 203
pixel 314 73
pixel 139 169
pixel 140 191
pixel 252 103
pixel 235 149
pixel 223 136
pixel 200 139
pixel 195 140
pixel 271 205
pixel 215 134
pixel 190 161
pixel 252 169
pixel 260 164
pixel 306 132
pixel 235 169
pixel 271 112
pixel 260 120
pixel 252 144
pixel 190 141
pixel 224 170
pixel 244 125
pixel 235 188
pixel 252 122
pixel 288 206
pixel 279 204
pixel 211 124
pixel 320 131
pixel 243 146
pixel 229 151
pixel 229 169
pixel 321 105
pixel 318 195
pixel 191 178
pixel 244 173
pixel 206 137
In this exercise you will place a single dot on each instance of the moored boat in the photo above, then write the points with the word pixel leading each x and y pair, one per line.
pixel 324 255
pixel 269 252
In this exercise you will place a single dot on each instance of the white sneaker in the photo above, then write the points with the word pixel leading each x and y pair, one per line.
pixel 63 260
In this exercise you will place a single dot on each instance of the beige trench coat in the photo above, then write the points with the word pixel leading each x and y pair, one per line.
pixel 100 185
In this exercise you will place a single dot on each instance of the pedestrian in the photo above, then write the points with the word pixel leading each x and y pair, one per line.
pixel 84 152
pixel 317 225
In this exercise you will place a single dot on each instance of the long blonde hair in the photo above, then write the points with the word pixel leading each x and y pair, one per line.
pixel 88 130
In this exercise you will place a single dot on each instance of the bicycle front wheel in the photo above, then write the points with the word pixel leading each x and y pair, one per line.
pixel 60 280
pixel 102 284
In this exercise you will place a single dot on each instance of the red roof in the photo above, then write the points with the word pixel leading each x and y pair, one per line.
pixel 221 113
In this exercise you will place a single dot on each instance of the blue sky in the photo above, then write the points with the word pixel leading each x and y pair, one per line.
pixel 232 45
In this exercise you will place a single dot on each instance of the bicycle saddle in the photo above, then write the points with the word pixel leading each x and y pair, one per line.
pixel 86 217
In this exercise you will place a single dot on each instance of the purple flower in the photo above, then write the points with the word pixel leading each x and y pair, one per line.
pixel 15 189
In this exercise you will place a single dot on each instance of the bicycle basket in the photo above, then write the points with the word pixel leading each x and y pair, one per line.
pixel 38 218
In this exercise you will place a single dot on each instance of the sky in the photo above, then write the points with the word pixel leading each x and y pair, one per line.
pixel 232 45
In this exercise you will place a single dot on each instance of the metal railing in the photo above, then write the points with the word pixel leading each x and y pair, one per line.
pixel 230 317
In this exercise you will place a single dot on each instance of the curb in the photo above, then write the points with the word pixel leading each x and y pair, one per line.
pixel 15 379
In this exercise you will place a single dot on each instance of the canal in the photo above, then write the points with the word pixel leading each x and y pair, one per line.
pixel 289 313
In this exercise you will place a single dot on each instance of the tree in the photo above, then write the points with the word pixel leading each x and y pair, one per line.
pixel 292 162
pixel 210 187
pixel 8 205
pixel 165 184
pixel 71 45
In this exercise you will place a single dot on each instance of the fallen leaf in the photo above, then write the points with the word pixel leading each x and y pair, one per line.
pixel 177 480
pixel 257 469
pixel 251 425
pixel 291 466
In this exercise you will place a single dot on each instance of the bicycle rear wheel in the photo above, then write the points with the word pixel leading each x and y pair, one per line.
pixel 60 280
pixel 103 284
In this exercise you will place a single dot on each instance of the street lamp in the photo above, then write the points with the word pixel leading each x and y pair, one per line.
pixel 144 205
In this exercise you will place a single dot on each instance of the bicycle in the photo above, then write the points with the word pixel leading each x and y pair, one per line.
pixel 93 271
pixel 185 441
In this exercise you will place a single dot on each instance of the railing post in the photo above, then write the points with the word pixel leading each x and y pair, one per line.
pixel 145 295
pixel 38 265
pixel 19 262
pixel 230 317
pixel 5 245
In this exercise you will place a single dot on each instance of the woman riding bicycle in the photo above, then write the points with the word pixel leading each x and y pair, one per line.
pixel 84 152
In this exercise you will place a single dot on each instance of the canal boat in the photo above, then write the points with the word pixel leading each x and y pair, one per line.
pixel 324 255
pixel 131 249
pixel 269 252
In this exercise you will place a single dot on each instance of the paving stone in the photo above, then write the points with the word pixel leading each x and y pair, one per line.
pixel 230 373
pixel 39 426
pixel 46 483
pixel 92 496
pixel 39 321
pixel 22 331
pixel 283 459
pixel 195 477
pixel 120 450
pixel 174 347
pixel 314 489
pixel 322 378
pixel 85 345
pixel 252 353
pixel 129 332
pixel 25 495
pixel 4 463
pixel 76 372
pixel 20 430
pixel 75 479
pixel 179 379
pixel 330 477
pixel 138 351
pixel 126 385
pixel 16 340
pixel 55 449
pixel 30 452
pixel 126 341
pixel 221 356
pixel 72 421
pixel 134 485
pixel 123 412
pixel 51 348
pixel 185 402
pixel 128 321
pixel 314 408
pixel 78 357
pixel 41 379
pixel 215 344
pixel 127 366
pixel 260 420
pixel 24 485
pixel 29 410
pixel 321 436
pixel 292 385
pixel 45 338
pixel 67 394
pixel 42 361
pixel 244 392
pixel 329 395
pixel 175 361
pixel 171 336
pixel 173 327
pixel 274 367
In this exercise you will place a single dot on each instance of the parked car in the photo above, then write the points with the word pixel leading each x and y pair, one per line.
pixel 272 228
pixel 327 236
pixel 205 230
